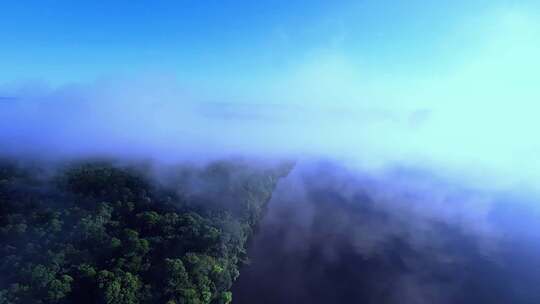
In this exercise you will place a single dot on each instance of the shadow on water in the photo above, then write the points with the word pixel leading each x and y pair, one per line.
pixel 331 236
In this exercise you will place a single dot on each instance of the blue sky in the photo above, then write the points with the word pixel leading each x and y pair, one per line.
pixel 64 41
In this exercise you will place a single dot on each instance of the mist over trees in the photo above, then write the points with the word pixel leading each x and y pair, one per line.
pixel 406 236
pixel 101 232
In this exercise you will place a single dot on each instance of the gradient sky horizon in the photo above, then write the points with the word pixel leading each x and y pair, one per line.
pixel 242 41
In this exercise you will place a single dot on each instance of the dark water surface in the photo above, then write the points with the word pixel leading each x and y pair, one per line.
pixel 331 236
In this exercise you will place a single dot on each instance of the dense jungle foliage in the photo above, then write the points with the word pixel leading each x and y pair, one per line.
pixel 100 232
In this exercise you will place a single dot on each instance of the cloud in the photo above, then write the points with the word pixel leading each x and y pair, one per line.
pixel 401 237
pixel 471 116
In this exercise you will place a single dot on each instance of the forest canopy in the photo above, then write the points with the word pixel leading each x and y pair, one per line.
pixel 104 232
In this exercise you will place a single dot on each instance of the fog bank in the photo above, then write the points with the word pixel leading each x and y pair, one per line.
pixel 471 116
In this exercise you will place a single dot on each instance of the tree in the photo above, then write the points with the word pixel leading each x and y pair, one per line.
pixel 178 288
pixel 59 288
pixel 119 288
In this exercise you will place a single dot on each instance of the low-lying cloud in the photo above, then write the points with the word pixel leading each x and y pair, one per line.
pixel 473 116
pixel 338 235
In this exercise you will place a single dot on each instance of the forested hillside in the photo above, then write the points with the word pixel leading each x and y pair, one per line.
pixel 100 232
